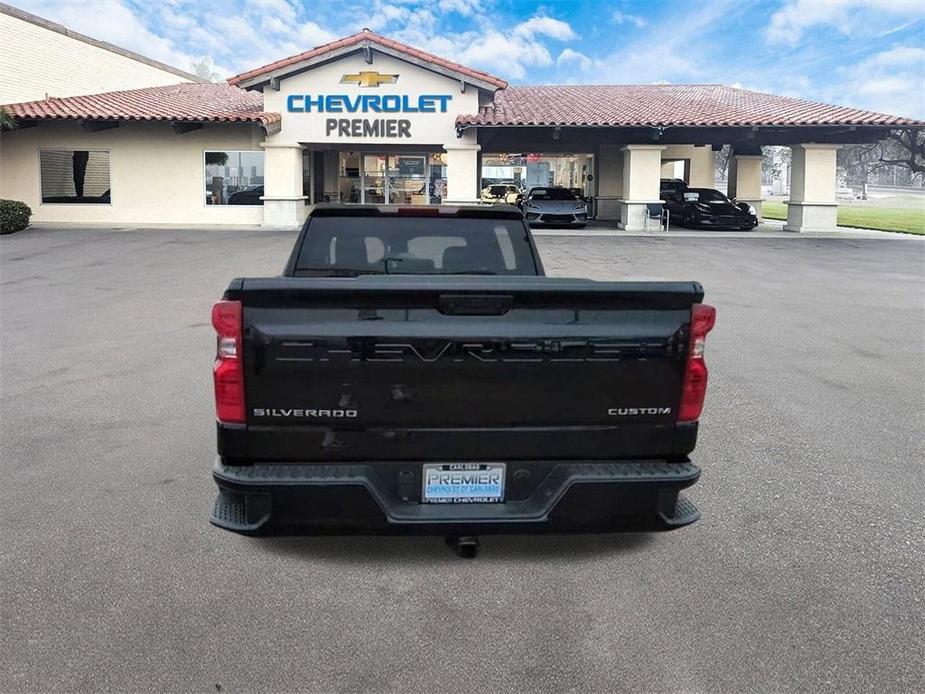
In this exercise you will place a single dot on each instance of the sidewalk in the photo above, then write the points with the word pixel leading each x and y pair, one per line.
pixel 768 229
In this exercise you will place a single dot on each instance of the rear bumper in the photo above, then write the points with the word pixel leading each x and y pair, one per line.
pixel 365 498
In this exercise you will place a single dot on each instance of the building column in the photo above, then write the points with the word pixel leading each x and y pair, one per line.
pixel 745 179
pixel 642 166
pixel 702 167
pixel 812 205
pixel 283 201
pixel 462 171
pixel 609 177
pixel 331 175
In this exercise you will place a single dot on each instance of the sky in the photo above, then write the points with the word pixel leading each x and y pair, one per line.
pixel 864 53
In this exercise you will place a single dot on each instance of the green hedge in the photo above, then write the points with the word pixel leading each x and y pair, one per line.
pixel 14 216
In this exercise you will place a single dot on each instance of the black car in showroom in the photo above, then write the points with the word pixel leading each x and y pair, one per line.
pixel 709 209
pixel 668 186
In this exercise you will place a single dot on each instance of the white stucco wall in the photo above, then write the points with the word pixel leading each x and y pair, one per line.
pixel 156 175
pixel 745 177
pixel 812 206
pixel 701 162
pixel 812 173
pixel 38 62
pixel 642 167
pixel 609 181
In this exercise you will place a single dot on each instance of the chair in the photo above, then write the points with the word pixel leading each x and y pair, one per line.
pixel 655 211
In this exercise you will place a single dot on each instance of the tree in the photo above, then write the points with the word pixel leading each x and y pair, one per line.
pixel 7 122
pixel 202 68
pixel 721 162
pixel 775 163
pixel 857 162
pixel 901 149
pixel 905 148
pixel 216 158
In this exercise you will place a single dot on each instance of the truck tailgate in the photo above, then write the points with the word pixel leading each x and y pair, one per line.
pixel 444 368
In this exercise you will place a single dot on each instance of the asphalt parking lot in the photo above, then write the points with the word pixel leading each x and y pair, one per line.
pixel 805 572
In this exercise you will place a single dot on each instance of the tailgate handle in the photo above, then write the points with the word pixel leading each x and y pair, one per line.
pixel 475 304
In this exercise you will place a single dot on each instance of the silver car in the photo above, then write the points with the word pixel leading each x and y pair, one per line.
pixel 554 206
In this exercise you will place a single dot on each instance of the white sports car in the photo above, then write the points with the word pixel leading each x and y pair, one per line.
pixel 554 206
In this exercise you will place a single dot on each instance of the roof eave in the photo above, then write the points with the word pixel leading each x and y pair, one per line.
pixel 261 79
pixel 269 121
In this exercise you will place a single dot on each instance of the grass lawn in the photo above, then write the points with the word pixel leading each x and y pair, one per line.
pixel 907 221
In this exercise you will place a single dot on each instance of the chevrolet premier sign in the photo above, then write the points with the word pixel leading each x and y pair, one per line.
pixel 368 103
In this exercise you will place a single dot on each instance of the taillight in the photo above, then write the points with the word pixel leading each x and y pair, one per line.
pixel 229 368
pixel 694 389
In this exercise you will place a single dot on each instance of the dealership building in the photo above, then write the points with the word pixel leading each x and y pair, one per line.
pixel 367 119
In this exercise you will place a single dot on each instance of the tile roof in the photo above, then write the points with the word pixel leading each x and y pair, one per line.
pixel 704 105
pixel 374 38
pixel 188 102
pixel 592 105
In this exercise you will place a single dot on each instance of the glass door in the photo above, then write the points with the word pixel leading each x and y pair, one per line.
pixel 394 179
pixel 348 180
pixel 436 177
pixel 375 179
pixel 408 180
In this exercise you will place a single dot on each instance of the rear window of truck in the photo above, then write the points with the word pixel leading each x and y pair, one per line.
pixel 414 246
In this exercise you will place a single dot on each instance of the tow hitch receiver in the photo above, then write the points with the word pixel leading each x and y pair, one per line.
pixel 466 547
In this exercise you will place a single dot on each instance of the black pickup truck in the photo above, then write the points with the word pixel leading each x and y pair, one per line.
pixel 413 371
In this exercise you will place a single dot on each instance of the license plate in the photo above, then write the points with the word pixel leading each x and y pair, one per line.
pixel 463 483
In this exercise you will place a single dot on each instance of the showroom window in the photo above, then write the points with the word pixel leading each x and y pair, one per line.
pixel 234 178
pixel 75 176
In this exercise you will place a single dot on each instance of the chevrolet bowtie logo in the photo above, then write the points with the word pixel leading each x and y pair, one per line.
pixel 369 78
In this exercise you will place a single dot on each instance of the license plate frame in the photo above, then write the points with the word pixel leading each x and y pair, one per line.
pixel 463 483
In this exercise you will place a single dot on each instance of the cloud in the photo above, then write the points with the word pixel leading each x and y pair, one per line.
pixel 311 34
pixel 568 58
pixel 790 23
pixel 681 51
pixel 280 9
pixel 487 41
pixel 114 21
pixel 502 52
pixel 238 35
pixel 466 8
pixel 619 17
pixel 891 81
pixel 545 26
pixel 512 52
